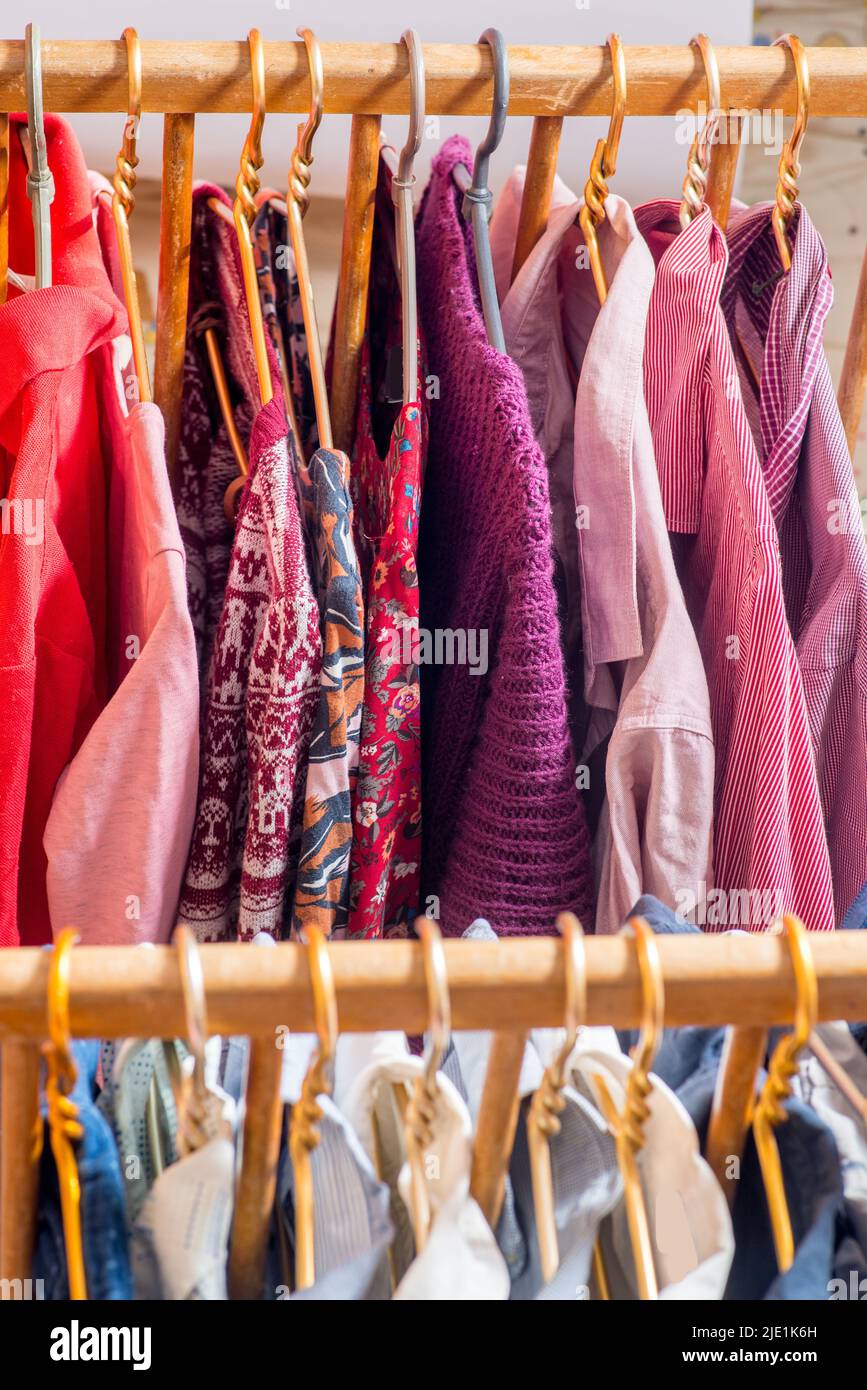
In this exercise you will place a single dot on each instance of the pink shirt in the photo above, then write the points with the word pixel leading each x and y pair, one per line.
pixel 120 823
pixel 643 678
pixel 769 836
pixel 808 473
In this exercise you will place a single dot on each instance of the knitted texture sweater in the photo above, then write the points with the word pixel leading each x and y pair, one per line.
pixel 206 463
pixel 504 830
pixel 260 702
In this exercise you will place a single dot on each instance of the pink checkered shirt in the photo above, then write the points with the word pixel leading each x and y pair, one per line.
pixel 769 835
pixel 776 322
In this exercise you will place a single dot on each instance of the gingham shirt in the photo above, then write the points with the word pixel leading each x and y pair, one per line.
pixel 776 324
pixel 770 851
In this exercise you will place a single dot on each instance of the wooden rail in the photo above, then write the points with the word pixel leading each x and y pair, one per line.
pixel 118 991
pixel 372 79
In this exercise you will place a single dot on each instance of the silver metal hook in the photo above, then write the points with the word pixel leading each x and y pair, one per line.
pixel 405 177
pixel 40 181
pixel 401 191
pixel 478 191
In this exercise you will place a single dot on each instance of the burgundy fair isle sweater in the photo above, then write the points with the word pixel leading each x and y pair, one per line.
pixel 261 696
pixel 504 831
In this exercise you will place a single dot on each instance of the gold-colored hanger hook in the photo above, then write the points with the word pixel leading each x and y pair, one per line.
pixel 806 983
pixel 58 1000
pixel 247 182
pixel 302 155
pixel 439 1026
pixel 790 160
pixel 308 128
pixel 618 109
pixel 698 162
pixel 324 993
pixel 652 994
pixel 195 1007
pixel 602 167
pixel 133 105
pixel 575 962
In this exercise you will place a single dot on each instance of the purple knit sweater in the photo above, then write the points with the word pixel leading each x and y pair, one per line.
pixel 504 830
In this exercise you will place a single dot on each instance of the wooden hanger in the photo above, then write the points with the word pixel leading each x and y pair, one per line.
pixel 627 1126
pixel 790 166
pixel 548 1104
pixel 64 1126
pixel 306 1112
pixel 478 199
pixel 850 394
pixel 602 168
pixel 122 204
pixel 538 186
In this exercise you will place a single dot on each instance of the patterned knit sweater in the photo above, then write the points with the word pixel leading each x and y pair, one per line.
pixel 206 463
pixel 259 708
pixel 504 829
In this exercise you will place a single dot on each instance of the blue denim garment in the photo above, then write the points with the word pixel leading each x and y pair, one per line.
pixel 688 1060
pixel 103 1215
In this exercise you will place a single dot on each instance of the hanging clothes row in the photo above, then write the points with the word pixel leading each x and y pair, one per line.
pixel 554 636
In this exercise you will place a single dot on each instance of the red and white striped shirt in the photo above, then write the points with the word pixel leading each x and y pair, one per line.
pixel 776 323
pixel 769 834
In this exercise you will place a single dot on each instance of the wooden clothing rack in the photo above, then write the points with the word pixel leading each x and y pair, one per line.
pixel 368 81
pixel 506 987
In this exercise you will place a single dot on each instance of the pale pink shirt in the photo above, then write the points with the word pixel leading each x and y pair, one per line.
pixel 644 680
pixel 119 829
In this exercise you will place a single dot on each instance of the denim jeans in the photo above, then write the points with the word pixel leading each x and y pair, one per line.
pixel 103 1217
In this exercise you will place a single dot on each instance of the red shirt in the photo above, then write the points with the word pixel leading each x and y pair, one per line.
pixel 770 851
pixel 60 420
pixel 779 321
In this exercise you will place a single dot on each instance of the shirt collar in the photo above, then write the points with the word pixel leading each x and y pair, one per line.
pixel 690 266
pixel 601 410
pixel 776 320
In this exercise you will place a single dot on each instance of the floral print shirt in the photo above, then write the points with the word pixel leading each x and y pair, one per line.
pixel 322 889
pixel 386 849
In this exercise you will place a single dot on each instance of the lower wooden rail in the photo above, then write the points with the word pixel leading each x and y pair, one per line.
pixel 118 991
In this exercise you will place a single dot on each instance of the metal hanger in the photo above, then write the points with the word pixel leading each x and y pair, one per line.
pixel 200 1109
pixel 244 212
pixel 122 204
pixel 548 1103
pixel 306 1112
pixel 789 168
pixel 270 195
pixel 402 184
pixel 421 1110
pixel 698 162
pixel 40 181
pixel 297 202
pixel 243 215
pixel 768 1111
pixel 478 198
pixel 627 1126
pixel 602 168
pixel 64 1126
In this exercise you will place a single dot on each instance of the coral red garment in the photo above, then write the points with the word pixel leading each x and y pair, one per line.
pixel 61 423
pixel 387 467
pixel 386 847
